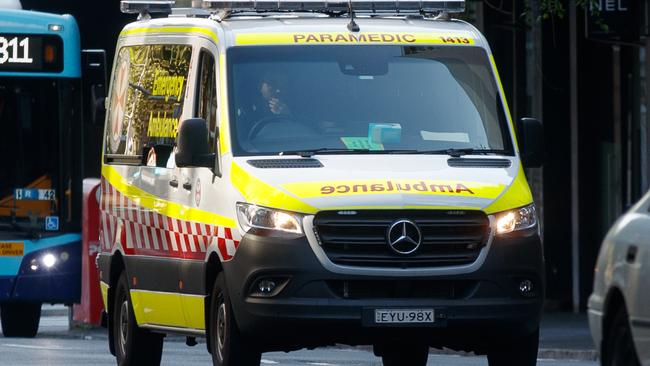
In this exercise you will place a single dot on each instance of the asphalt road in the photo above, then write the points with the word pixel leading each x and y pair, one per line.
pixel 54 346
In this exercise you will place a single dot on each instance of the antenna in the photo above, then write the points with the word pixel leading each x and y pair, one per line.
pixel 352 26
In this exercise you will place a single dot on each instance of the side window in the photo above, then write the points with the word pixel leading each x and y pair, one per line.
pixel 206 102
pixel 146 103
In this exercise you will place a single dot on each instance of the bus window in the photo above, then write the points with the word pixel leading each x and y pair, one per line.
pixel 30 145
pixel 207 95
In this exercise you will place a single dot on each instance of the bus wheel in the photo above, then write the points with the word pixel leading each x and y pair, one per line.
pixel 133 346
pixel 20 319
pixel 229 348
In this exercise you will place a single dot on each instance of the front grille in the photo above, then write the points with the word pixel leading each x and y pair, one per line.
pixel 359 238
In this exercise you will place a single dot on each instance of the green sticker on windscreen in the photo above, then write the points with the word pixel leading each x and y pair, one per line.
pixel 361 143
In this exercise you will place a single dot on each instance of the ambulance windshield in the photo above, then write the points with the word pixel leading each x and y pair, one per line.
pixel 367 98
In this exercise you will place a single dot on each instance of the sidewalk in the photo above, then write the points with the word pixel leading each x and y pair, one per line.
pixel 566 336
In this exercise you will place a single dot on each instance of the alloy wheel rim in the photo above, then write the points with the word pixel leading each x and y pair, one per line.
pixel 221 328
pixel 124 323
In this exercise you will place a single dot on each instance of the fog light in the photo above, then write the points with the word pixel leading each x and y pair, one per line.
pixel 49 260
pixel 33 265
pixel 525 287
pixel 266 286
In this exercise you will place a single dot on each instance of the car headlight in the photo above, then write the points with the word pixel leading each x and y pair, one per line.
pixel 252 216
pixel 516 219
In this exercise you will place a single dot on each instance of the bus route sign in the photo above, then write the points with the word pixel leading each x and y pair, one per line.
pixel 33 194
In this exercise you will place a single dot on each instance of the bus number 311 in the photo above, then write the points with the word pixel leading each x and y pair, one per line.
pixel 10 50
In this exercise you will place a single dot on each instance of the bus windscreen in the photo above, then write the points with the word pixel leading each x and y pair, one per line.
pixel 30 149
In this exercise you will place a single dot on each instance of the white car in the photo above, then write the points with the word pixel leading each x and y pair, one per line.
pixel 619 308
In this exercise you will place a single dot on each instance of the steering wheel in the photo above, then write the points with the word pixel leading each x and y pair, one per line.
pixel 259 125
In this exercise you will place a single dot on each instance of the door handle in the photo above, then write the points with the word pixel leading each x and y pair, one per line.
pixel 173 183
pixel 187 186
pixel 631 253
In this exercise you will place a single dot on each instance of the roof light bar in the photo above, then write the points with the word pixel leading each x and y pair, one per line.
pixel 146 6
pixel 359 6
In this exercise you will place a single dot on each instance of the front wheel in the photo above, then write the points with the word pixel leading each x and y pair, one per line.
pixel 229 347
pixel 404 355
pixel 133 346
pixel 20 319
pixel 518 350
pixel 618 346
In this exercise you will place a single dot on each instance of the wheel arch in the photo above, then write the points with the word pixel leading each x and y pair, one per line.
pixel 117 265
pixel 212 268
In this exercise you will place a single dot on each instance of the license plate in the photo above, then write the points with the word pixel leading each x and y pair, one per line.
pixel 12 249
pixel 404 316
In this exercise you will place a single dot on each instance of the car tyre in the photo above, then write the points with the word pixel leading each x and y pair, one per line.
pixel 20 319
pixel 405 355
pixel 229 347
pixel 133 345
pixel 519 350
pixel 618 346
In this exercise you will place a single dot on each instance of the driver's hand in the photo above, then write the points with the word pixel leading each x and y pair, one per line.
pixel 277 107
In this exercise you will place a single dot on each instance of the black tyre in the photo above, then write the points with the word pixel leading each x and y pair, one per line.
pixel 133 346
pixel 229 347
pixel 405 355
pixel 20 319
pixel 618 346
pixel 518 350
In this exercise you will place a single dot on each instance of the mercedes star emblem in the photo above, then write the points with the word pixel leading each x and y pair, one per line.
pixel 404 237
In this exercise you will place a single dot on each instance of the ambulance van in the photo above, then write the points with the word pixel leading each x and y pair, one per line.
pixel 293 174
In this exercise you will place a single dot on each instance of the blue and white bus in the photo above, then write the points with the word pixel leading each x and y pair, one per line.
pixel 42 157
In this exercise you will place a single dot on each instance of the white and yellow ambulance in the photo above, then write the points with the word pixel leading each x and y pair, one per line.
pixel 287 174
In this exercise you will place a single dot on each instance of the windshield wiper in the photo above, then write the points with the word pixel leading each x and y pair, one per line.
pixel 29 232
pixel 328 150
pixel 456 153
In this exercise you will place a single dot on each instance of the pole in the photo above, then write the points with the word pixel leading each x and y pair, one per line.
pixel 575 209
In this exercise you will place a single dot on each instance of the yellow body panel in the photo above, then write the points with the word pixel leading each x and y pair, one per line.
pixel 517 195
pixel 103 287
pixel 260 193
pixel 161 206
pixel 164 308
pixel 353 38
pixel 166 30
pixel 389 186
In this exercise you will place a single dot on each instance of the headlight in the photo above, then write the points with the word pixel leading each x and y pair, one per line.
pixel 517 219
pixel 251 216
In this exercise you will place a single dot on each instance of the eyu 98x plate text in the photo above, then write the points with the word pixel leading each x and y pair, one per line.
pixel 404 316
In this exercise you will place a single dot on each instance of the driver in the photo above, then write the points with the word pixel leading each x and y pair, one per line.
pixel 271 88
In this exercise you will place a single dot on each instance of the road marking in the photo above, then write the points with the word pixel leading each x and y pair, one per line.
pixel 49 348
pixel 321 364
pixel 268 362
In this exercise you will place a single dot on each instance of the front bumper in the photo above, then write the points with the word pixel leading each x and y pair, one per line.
pixel 59 284
pixel 317 306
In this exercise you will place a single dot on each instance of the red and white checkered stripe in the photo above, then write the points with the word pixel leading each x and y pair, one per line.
pixel 143 231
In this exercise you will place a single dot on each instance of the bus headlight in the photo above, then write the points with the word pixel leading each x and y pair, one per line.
pixel 48 260
pixel 252 216
pixel 516 219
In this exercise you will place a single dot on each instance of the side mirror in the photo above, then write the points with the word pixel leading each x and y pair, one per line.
pixel 531 142
pixel 98 98
pixel 94 85
pixel 192 145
